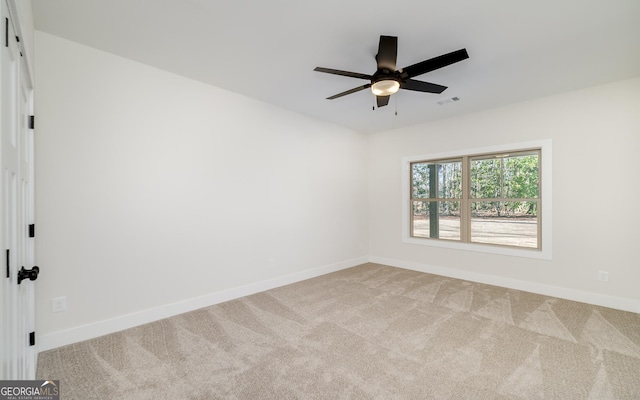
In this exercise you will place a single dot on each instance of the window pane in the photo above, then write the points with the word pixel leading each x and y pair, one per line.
pixel 485 178
pixel 450 180
pixel 512 223
pixel 441 180
pixel 505 176
pixel 436 219
pixel 420 180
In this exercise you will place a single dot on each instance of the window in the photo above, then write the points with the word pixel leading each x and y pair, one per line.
pixel 489 200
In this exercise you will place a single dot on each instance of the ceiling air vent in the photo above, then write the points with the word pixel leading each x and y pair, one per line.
pixel 449 100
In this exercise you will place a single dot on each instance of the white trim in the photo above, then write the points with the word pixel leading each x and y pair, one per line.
pixel 545 212
pixel 100 328
pixel 619 303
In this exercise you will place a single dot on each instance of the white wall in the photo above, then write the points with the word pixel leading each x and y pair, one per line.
pixel 595 136
pixel 156 193
pixel 153 189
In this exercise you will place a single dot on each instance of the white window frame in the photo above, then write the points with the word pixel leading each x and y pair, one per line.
pixel 544 252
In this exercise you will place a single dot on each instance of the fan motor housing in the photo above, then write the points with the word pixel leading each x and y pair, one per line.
pixel 385 75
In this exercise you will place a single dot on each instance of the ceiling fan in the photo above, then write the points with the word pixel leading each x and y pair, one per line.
pixel 387 80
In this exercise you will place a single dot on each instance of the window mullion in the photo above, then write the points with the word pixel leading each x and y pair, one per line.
pixel 465 207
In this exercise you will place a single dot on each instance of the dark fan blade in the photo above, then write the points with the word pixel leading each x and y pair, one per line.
pixel 420 86
pixel 434 63
pixel 387 53
pixel 359 88
pixel 343 73
pixel 382 100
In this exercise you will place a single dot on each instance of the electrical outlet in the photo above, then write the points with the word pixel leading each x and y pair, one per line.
pixel 59 304
pixel 272 262
pixel 603 276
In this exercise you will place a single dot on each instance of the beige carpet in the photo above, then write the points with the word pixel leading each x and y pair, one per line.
pixel 368 332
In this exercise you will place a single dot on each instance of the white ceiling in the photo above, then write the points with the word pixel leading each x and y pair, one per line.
pixel 267 50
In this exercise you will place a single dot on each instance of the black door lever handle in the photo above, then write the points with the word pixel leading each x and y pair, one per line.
pixel 31 274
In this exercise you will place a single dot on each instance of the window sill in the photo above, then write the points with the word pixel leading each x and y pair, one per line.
pixel 481 248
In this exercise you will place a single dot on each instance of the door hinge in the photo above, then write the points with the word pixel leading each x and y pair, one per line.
pixel 32 121
pixel 6 32
pixel 8 268
pixel 32 230
pixel 32 339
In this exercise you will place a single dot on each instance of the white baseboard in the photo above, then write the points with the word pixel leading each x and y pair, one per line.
pixel 89 331
pixel 96 329
pixel 619 303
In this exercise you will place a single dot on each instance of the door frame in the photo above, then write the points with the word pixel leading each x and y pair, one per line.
pixel 18 353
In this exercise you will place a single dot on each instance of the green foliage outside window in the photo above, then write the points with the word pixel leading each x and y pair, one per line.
pixel 505 177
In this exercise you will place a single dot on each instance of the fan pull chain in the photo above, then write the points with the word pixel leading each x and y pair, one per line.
pixel 396 101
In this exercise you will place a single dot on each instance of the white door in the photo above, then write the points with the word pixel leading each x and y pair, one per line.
pixel 17 353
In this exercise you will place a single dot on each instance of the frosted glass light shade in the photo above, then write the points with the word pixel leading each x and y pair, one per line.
pixel 385 87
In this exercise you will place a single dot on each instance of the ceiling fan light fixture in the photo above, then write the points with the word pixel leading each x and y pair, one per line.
pixel 388 79
pixel 385 87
